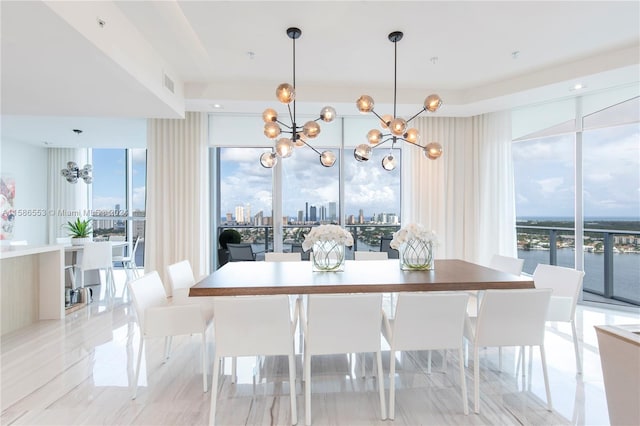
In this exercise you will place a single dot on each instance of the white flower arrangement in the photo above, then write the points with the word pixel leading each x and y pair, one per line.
pixel 327 233
pixel 413 231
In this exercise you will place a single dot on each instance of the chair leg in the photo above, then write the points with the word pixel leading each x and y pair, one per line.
pixel 476 379
pixel 292 388
pixel 214 389
pixel 392 384
pixel 307 389
pixel 137 375
pixel 234 369
pixel 380 379
pixel 205 369
pixel 546 378
pixel 463 382
pixel 575 347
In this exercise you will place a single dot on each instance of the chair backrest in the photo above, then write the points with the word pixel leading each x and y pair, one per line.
pixel 512 317
pixel 297 248
pixel 282 257
pixel 343 323
pixel 147 291
pixel 135 247
pixel 252 325
pixel 511 265
pixel 180 276
pixel 370 255
pixel 429 320
pixel 97 255
pixel 240 251
pixel 566 284
pixel 117 251
pixel 385 246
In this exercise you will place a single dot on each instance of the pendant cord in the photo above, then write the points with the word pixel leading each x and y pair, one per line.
pixel 295 129
pixel 395 76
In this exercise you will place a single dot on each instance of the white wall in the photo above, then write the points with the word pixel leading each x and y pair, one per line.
pixel 27 164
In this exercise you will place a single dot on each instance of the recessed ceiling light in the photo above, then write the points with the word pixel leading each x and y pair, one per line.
pixel 216 106
pixel 578 86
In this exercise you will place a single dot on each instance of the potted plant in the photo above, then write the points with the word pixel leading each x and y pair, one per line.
pixel 80 231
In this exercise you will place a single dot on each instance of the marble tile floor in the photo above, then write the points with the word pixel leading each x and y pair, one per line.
pixel 79 371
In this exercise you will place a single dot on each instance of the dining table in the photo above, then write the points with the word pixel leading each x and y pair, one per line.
pixel 372 276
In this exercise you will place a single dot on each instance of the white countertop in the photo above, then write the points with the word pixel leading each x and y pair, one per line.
pixel 7 252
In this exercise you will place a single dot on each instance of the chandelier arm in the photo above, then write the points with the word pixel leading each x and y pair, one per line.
pixel 380 144
pixel 379 118
pixel 284 124
pixel 419 112
pixel 292 117
pixel 316 151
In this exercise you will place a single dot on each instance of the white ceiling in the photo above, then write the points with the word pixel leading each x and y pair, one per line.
pixel 58 61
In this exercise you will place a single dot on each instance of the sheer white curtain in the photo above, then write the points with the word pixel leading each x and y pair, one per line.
pixel 65 200
pixel 177 194
pixel 467 195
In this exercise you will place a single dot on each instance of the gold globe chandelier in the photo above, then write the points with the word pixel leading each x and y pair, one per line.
pixel 396 126
pixel 284 146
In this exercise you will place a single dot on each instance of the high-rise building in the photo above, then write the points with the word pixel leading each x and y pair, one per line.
pixel 323 214
pixel 300 216
pixel 247 213
pixel 229 217
pixel 333 214
pixel 259 219
pixel 351 220
pixel 239 214
pixel 306 212
pixel 361 217
pixel 312 214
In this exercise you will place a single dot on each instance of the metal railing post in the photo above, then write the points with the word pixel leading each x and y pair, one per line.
pixel 608 265
pixel 553 248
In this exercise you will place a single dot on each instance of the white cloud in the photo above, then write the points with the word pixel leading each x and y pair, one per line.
pixel 550 185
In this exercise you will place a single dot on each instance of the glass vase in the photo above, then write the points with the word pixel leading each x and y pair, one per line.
pixel 416 255
pixel 328 256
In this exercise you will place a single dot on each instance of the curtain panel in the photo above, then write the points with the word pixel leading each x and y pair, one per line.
pixel 177 194
pixel 466 196
pixel 66 200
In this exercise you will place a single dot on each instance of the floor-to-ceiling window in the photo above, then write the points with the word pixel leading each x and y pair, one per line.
pixel 578 190
pixel 362 197
pixel 118 202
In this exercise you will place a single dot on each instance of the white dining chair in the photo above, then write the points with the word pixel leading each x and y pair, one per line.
pixel 98 256
pixel 566 284
pixel 342 324
pixel 509 318
pixel 158 317
pixel 118 251
pixel 282 257
pixel 427 321
pixel 510 265
pixel 370 255
pixel 251 326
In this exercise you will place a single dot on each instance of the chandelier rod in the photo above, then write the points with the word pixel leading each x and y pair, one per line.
pixel 293 120
pixel 395 73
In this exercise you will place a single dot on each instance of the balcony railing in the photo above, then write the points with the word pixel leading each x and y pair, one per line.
pixel 612 270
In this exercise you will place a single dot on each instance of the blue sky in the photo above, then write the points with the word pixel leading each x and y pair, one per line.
pixel 109 178
pixel 544 174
